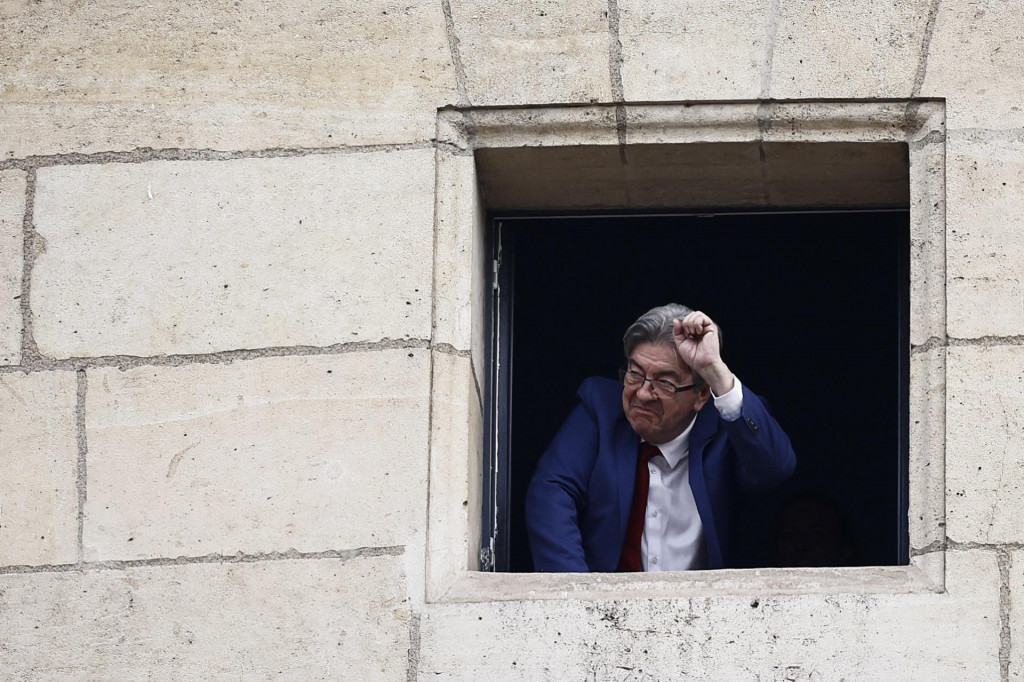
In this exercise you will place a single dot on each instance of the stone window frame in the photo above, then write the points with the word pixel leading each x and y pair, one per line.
pixel 458 336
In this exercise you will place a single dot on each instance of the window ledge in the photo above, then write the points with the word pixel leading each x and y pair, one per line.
pixel 477 587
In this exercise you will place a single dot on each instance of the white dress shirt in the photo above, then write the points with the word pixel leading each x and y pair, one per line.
pixel 673 538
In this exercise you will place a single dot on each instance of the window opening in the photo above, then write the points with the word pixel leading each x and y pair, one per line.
pixel 814 311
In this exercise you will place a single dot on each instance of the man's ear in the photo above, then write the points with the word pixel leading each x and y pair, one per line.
pixel 703 395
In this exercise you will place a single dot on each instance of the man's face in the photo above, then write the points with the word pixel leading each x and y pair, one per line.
pixel 657 419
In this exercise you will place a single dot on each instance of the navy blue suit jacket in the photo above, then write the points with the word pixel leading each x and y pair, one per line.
pixel 577 506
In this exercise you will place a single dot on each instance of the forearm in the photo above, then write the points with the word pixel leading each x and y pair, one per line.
pixel 719 377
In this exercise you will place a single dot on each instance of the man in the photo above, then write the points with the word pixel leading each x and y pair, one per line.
pixel 643 475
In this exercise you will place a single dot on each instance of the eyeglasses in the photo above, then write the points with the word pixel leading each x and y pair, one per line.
pixel 660 387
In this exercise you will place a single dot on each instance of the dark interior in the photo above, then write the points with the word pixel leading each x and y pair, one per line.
pixel 813 312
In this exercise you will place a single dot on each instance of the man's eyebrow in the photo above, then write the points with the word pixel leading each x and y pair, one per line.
pixel 656 375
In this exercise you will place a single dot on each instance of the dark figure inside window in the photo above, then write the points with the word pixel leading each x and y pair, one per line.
pixel 644 474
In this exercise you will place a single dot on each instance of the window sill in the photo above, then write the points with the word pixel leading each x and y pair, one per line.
pixel 919 577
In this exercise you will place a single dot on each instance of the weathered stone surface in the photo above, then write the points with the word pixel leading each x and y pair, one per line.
pixel 321 619
pixel 975 62
pixel 306 453
pixel 542 51
pixel 1016 614
pixel 12 211
pixel 928 238
pixel 928 637
pixel 985 446
pixel 846 49
pixel 927 448
pixel 104 75
pixel 456 458
pixel 199 257
pixel 692 50
pixel 459 250
pixel 985 243
pixel 38 458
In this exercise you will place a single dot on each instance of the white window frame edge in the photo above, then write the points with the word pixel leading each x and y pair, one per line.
pixel 456 413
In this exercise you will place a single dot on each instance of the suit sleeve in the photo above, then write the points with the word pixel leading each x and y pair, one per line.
pixel 764 455
pixel 557 496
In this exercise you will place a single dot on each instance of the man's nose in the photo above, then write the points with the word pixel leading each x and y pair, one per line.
pixel 647 387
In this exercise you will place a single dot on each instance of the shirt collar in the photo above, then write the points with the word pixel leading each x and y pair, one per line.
pixel 678 448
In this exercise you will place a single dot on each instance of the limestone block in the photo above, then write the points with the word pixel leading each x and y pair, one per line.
pixel 456 458
pixel 12 211
pixel 930 637
pixel 985 444
pixel 38 458
pixel 692 50
pixel 307 453
pixel 975 62
pixel 985 243
pixel 205 256
pixel 534 52
pixel 847 49
pixel 321 619
pixel 928 262
pixel 111 75
pixel 459 251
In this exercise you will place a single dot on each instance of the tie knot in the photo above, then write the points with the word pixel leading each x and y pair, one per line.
pixel 647 451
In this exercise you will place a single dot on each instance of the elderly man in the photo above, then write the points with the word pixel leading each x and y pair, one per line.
pixel 643 475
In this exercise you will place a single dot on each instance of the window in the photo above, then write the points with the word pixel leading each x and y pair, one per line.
pixel 813 308
pixel 739 162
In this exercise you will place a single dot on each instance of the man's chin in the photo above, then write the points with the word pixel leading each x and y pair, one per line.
pixel 644 423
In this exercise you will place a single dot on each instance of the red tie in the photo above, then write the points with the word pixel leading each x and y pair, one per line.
pixel 630 561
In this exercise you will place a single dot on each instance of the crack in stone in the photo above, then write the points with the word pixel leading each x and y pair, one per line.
pixel 449 349
pixel 239 558
pixel 615 53
pixel 936 546
pixel 931 344
pixel 81 472
pixel 1005 560
pixel 769 53
pixel 615 78
pixel 124 362
pixel 986 341
pixel 412 672
pixel 453 47
pixel 926 43
pixel 952 342
pixel 146 154
pixel 32 245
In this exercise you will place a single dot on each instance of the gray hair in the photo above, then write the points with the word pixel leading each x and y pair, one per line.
pixel 655 326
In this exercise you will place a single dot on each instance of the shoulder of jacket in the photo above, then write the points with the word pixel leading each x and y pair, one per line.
pixel 600 394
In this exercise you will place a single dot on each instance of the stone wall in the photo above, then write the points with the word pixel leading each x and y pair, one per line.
pixel 227 333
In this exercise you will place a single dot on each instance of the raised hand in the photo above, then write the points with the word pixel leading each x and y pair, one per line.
pixel 698 343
